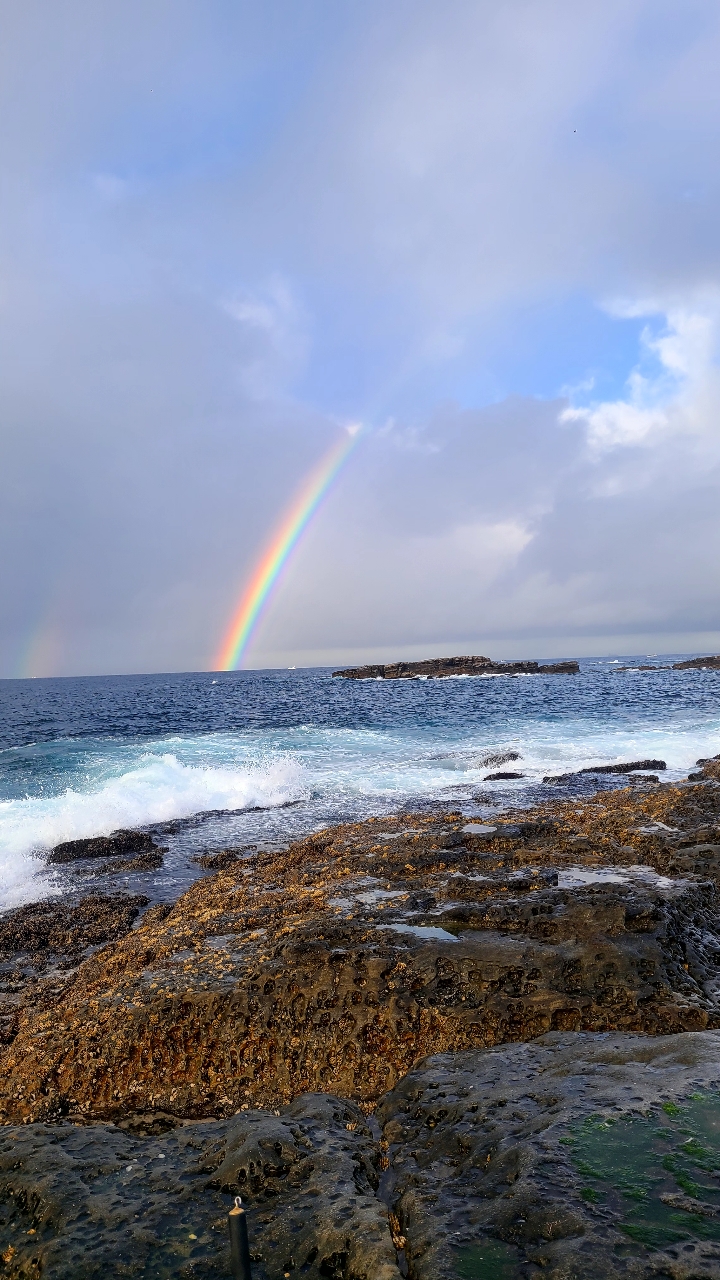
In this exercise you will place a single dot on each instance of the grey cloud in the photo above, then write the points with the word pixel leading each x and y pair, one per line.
pixel 217 219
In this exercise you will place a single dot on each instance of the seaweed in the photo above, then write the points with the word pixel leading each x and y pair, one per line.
pixel 646 1164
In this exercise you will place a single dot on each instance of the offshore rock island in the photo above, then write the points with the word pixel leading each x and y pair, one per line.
pixel 338 1033
pixel 437 668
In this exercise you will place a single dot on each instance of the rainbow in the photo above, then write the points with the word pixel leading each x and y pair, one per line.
pixel 283 541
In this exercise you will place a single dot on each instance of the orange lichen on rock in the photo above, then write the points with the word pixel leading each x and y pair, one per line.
pixel 336 965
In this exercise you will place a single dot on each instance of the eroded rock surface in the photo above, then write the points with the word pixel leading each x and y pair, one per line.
pixel 151 1198
pixel 335 966
pixel 42 944
pixel 588 1157
pixel 575 1157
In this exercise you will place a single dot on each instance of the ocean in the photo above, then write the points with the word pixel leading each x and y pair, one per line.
pixel 208 761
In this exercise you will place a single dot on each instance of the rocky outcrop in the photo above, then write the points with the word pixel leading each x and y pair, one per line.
pixel 436 668
pixel 42 944
pixel 235 1042
pixel 629 767
pixel 593 1156
pixel 333 967
pixel 699 664
pixel 124 843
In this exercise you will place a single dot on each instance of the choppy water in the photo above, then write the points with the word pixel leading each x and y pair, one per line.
pixel 211 760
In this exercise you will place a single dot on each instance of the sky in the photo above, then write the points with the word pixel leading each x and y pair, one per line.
pixel 485 233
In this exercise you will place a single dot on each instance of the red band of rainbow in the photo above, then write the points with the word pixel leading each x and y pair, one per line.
pixel 276 554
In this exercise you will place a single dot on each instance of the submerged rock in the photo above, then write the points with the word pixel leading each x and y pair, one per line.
pixel 222 859
pixel 500 757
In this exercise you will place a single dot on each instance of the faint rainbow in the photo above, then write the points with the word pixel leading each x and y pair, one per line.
pixel 283 541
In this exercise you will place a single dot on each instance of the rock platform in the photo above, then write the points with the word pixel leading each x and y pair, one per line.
pixel 301 993
pixel 575 1157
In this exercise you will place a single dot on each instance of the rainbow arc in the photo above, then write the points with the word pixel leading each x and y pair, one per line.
pixel 279 549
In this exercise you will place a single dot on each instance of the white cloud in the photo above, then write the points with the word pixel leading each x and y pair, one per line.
pixel 681 398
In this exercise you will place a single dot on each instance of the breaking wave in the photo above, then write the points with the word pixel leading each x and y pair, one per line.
pixel 159 788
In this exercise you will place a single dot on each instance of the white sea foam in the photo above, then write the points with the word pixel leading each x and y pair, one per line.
pixel 341 773
pixel 159 788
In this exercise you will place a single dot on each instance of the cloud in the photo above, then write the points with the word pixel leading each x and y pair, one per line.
pixel 679 399
pixel 228 229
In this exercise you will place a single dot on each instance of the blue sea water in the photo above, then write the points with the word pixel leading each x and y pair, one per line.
pixel 209 760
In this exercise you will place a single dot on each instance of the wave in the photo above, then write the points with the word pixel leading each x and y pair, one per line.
pixel 158 789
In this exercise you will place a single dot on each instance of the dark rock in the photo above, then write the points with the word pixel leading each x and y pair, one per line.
pixel 142 862
pixel 640 779
pixel 501 757
pixel 119 843
pixel 64 928
pixel 151 1198
pixel 222 859
pixel 582 1156
pixel 575 1155
pixel 628 767
pixel 499 777
pixel 699 664
pixel 436 668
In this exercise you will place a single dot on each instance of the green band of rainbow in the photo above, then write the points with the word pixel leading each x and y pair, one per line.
pixel 275 556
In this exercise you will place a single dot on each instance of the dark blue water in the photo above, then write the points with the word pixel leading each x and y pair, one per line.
pixel 242 757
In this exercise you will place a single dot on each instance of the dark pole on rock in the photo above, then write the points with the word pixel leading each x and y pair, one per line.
pixel 239 1247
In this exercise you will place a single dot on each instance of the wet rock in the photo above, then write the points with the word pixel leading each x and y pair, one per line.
pixel 223 858
pixel 574 1156
pixel 58 929
pixel 152 1199
pixel 501 757
pixel 501 777
pixel 699 664
pixel 627 767
pixel 436 668
pixel 335 965
pixel 142 862
pixel 119 843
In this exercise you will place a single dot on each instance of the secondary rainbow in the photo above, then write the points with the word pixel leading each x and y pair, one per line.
pixel 279 548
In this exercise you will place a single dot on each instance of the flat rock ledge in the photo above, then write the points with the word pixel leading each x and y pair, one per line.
pixel 585 1156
